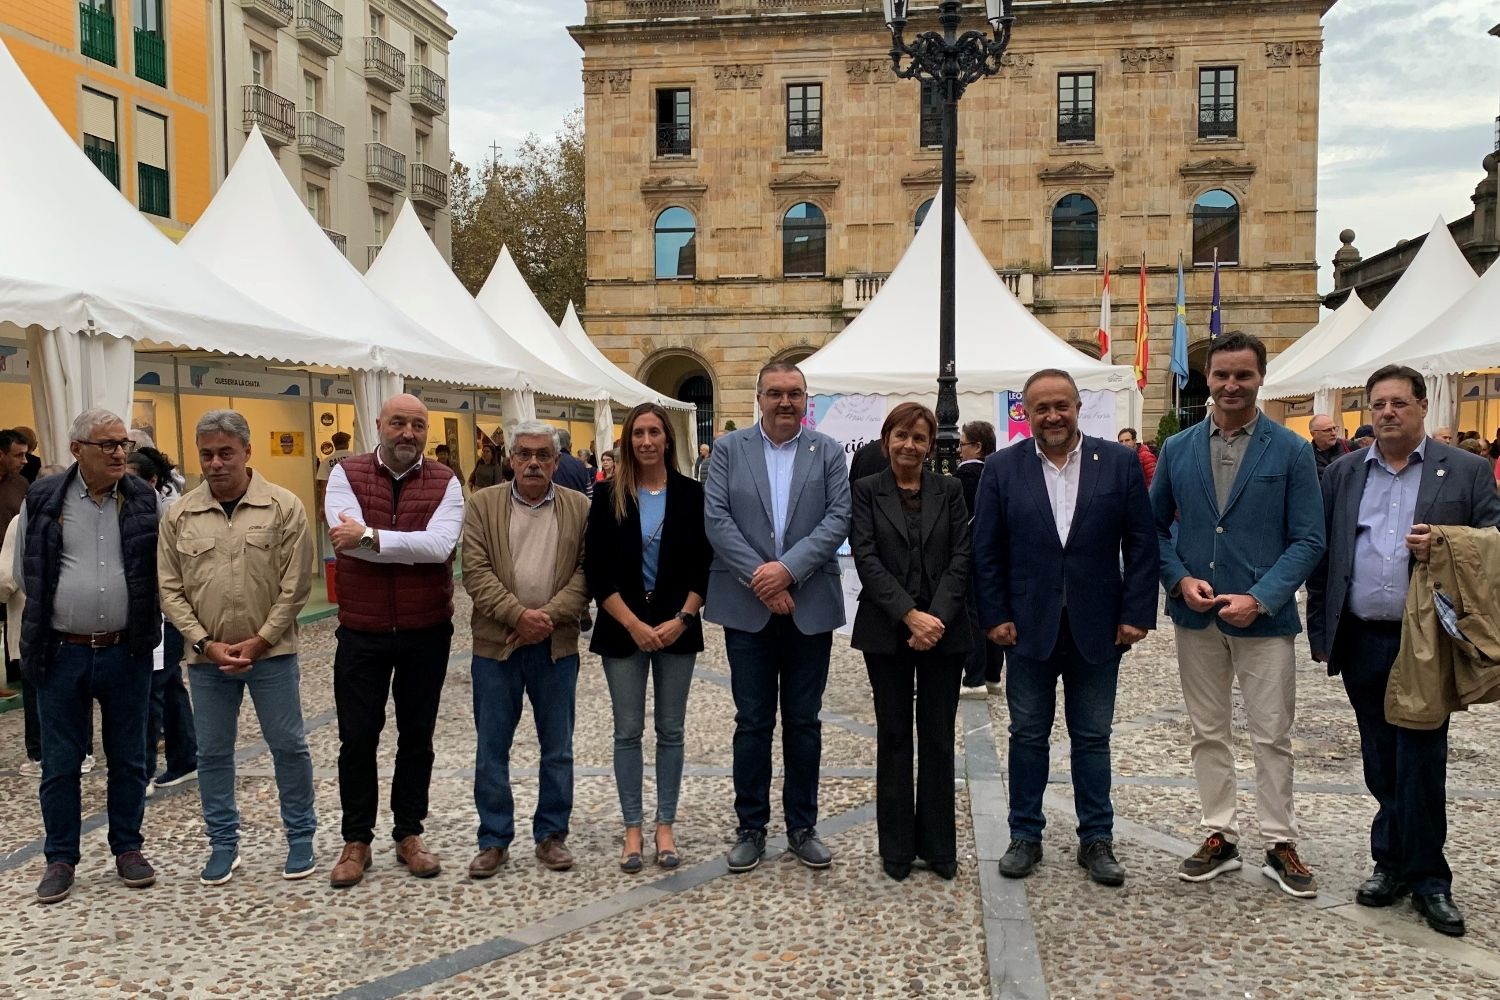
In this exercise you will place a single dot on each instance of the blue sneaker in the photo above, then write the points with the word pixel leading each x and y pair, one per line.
pixel 300 862
pixel 221 865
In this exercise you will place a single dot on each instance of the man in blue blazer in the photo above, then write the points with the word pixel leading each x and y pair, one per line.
pixel 1066 561
pixel 1380 503
pixel 1240 519
pixel 776 509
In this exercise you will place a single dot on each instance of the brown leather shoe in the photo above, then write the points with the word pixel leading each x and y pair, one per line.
pixel 487 862
pixel 554 854
pixel 417 858
pixel 351 866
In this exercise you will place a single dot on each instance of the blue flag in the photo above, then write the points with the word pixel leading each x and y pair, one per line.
pixel 1215 320
pixel 1179 364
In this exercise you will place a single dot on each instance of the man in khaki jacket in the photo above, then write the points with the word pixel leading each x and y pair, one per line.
pixel 234 559
pixel 523 567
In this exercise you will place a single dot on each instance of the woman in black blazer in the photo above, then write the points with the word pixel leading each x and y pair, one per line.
pixel 976 442
pixel 909 530
pixel 646 559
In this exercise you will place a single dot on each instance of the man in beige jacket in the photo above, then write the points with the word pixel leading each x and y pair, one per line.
pixel 523 567
pixel 234 560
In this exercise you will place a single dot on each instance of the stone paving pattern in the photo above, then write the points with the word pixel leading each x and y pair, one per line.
pixel 782 931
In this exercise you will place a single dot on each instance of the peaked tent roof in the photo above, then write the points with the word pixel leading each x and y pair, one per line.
pixel 892 346
pixel 411 275
pixel 1329 335
pixel 1435 279
pixel 79 257
pixel 573 331
pixel 258 235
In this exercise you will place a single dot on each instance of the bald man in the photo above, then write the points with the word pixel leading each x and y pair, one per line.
pixel 1443 434
pixel 394 521
pixel 1328 447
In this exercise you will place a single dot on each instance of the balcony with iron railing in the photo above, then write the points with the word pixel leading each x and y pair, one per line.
pixel 385 65
pixel 385 167
pixel 276 116
pixel 1075 126
pixel 155 190
pixel 429 92
pixel 107 160
pixel 340 241
pixel 372 250
pixel 320 27
pixel 860 289
pixel 1217 122
pixel 674 139
pixel 804 135
pixel 319 138
pixel 96 32
pixel 151 56
pixel 930 132
pixel 429 185
pixel 277 12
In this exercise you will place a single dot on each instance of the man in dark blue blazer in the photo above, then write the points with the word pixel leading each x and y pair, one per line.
pixel 1379 505
pixel 1065 554
pixel 1240 520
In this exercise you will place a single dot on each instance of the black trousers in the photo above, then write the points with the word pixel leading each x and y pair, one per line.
pixel 1405 769
pixel 408 667
pixel 985 662
pixel 915 821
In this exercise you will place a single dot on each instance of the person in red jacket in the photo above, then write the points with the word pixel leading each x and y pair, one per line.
pixel 1127 437
pixel 394 520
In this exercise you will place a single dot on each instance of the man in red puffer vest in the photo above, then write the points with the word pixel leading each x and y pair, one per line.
pixel 394 520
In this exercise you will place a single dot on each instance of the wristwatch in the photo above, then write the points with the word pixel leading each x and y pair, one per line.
pixel 686 617
pixel 367 540
pixel 201 646
pixel 1262 609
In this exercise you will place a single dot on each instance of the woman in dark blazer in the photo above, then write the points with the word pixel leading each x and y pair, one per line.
pixel 646 559
pixel 976 442
pixel 909 531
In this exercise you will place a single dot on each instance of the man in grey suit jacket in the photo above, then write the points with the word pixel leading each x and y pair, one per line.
pixel 776 508
pixel 1380 503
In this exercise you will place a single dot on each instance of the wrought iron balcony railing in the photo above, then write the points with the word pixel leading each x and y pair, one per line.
pixel 277 12
pixel 385 65
pixel 339 240
pixel 276 116
pixel 385 167
pixel 429 92
pixel 804 135
pixel 930 132
pixel 429 185
pixel 674 140
pixel 320 138
pixel 155 190
pixel 151 56
pixel 1075 126
pixel 320 26
pixel 372 250
pixel 1217 123
pixel 107 160
pixel 96 32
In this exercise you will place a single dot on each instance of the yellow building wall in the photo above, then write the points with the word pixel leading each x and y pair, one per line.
pixel 43 36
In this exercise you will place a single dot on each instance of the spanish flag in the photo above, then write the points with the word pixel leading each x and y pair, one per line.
pixel 1142 334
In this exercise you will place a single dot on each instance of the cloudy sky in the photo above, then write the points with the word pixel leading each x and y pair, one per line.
pixel 1411 89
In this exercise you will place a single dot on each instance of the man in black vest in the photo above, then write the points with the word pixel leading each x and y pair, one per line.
pixel 86 544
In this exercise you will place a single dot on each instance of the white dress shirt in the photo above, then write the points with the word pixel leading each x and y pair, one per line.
pixel 1062 486
pixel 433 544
pixel 780 461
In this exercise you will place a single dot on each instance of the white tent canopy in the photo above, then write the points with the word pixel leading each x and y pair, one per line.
pixel 84 276
pixel 1464 338
pixel 1435 279
pixel 891 348
pixel 411 275
pixel 1329 335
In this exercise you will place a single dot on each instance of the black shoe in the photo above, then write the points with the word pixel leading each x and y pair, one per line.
pixel 945 870
pixel 745 855
pixel 1098 856
pixel 134 870
pixel 56 883
pixel 1021 858
pixel 897 870
pixel 1443 915
pixel 1381 889
pixel 809 849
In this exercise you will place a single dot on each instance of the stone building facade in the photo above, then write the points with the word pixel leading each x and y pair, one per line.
pixel 725 138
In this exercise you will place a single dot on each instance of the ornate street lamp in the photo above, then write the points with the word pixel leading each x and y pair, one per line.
pixel 952 61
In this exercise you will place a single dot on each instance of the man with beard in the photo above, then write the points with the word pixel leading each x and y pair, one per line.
pixel 394 520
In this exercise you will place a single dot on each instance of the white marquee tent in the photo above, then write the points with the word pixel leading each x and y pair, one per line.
pixel 891 348
pixel 1465 338
pixel 412 276
pixel 84 277
pixel 1332 334
pixel 258 235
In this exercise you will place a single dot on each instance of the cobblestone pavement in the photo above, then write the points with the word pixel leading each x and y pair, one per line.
pixel 779 932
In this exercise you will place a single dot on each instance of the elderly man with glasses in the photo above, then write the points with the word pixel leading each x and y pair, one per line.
pixel 86 559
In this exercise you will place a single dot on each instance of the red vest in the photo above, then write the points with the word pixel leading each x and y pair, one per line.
pixel 384 597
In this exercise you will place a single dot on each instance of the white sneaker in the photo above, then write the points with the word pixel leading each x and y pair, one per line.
pixel 88 764
pixel 30 768
pixel 978 691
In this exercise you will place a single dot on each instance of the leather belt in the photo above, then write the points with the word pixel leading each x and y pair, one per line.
pixel 94 640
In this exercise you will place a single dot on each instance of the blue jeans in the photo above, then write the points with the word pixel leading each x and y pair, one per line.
pixel 274 686
pixel 778 661
pixel 1089 707
pixel 551 686
pixel 673 675
pixel 121 684
pixel 171 711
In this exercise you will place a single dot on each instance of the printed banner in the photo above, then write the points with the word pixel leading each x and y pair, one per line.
pixel 335 390
pixel 852 421
pixel 289 444
pixel 1010 418
pixel 13 361
pixel 1096 415
pixel 218 381
pixel 442 399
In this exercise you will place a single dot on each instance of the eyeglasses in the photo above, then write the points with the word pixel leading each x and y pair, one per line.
pixel 526 455
pixel 776 395
pixel 110 447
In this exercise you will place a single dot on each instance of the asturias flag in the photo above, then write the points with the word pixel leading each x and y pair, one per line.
pixel 1104 319
pixel 1142 334
pixel 1180 332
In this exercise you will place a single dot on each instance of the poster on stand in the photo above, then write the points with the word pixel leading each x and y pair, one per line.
pixel 852 421
pixel 1096 415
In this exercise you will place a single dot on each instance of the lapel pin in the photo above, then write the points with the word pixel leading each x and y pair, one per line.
pixel 812 447
pixel 1442 472
pixel 1096 456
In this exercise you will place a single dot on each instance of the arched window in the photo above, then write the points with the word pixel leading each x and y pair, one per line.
pixel 922 211
pixel 1075 232
pixel 804 242
pixel 676 250
pixel 1216 227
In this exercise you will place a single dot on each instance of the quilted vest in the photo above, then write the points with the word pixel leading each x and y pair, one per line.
pixel 384 597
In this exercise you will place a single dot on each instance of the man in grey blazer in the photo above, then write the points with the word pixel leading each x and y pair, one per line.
pixel 1379 504
pixel 776 508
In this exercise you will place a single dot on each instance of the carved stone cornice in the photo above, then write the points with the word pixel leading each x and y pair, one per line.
pixel 1278 54
pixel 805 183
pixel 660 191
pixel 1215 169
pixel 1017 64
pixel 1153 58
pixel 1309 53
pixel 619 81
pixel 868 70
pixel 933 176
pixel 593 81
pixel 741 76
pixel 1076 172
